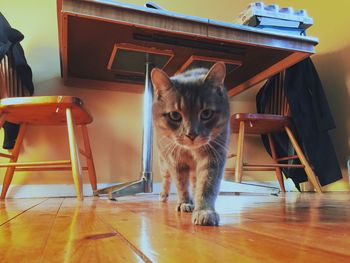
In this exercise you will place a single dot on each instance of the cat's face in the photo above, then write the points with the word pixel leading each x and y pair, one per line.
pixel 191 109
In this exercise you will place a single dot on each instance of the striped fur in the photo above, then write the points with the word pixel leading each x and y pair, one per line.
pixel 191 120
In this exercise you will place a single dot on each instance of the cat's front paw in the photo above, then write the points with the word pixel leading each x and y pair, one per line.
pixel 185 207
pixel 163 197
pixel 205 218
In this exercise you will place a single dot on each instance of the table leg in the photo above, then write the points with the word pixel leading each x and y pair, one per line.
pixel 147 139
pixel 145 183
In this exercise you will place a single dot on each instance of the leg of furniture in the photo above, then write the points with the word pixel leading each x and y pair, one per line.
pixel 145 183
pixel 74 156
pixel 278 169
pixel 308 170
pixel 2 119
pixel 15 153
pixel 147 144
pixel 89 159
pixel 239 157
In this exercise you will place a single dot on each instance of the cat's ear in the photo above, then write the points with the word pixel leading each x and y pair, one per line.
pixel 217 73
pixel 160 80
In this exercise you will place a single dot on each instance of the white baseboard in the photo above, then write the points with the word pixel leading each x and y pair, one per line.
pixel 68 190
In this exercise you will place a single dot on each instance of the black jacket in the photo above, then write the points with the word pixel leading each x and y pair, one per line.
pixel 10 44
pixel 312 119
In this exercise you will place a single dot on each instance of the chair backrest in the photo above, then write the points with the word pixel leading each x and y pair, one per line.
pixel 10 81
pixel 277 103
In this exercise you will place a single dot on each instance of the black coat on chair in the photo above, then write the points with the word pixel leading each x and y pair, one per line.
pixel 312 119
pixel 10 45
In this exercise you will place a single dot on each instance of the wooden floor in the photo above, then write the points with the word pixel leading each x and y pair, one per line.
pixel 254 228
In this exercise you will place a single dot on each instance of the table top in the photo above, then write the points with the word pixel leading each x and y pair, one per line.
pixel 89 31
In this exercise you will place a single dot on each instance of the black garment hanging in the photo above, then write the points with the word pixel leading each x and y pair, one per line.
pixel 312 119
pixel 10 45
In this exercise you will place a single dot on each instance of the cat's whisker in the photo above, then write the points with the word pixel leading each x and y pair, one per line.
pixel 207 150
pixel 170 149
pixel 173 147
pixel 166 147
pixel 223 146
pixel 217 154
pixel 224 141
pixel 166 144
pixel 210 152
pixel 163 138
pixel 172 152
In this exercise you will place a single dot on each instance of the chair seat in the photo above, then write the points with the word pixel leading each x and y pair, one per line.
pixel 49 110
pixel 257 123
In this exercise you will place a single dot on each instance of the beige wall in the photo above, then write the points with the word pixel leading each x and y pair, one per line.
pixel 116 131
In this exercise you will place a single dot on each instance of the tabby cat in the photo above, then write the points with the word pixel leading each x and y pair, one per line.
pixel 191 120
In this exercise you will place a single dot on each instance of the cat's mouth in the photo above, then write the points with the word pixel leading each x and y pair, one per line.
pixel 192 144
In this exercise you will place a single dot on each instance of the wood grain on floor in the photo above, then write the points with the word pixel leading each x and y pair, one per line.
pixel 254 228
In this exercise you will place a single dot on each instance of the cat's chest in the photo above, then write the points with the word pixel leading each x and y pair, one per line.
pixel 181 156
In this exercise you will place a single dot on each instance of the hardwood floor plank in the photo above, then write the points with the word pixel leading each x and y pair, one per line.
pixel 237 232
pixel 78 235
pixel 23 238
pixel 11 208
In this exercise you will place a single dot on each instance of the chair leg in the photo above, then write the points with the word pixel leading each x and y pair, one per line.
pixel 74 156
pixel 308 170
pixel 15 153
pixel 89 159
pixel 278 169
pixel 239 157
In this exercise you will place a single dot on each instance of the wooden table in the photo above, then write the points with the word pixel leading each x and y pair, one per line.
pixel 90 29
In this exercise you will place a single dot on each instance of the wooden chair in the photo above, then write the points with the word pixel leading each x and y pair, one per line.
pixel 276 118
pixel 43 110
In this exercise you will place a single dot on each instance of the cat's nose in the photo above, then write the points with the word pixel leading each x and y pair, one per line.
pixel 192 136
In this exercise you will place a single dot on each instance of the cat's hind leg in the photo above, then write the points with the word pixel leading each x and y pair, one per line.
pixel 193 180
pixel 164 194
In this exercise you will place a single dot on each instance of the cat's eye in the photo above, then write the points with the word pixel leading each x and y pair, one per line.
pixel 175 116
pixel 206 114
